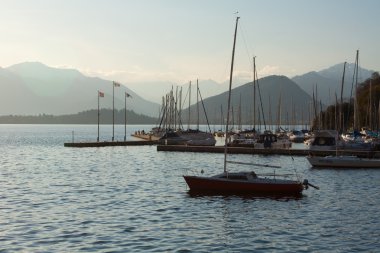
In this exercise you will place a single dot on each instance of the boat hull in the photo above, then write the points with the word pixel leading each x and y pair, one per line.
pixel 223 186
pixel 343 162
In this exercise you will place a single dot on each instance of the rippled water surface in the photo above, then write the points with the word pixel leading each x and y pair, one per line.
pixel 134 199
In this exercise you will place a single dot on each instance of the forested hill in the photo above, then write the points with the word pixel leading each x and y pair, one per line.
pixel 85 117
pixel 368 107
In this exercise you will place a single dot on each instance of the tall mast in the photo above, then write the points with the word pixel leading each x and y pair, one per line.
pixel 336 115
pixel 188 122
pixel 125 116
pixel 113 111
pixel 254 92
pixel 98 115
pixel 180 110
pixel 261 101
pixel 197 106
pixel 279 110
pixel 270 114
pixel 229 97
pixel 240 127
pixel 221 118
pixel 370 105
pixel 356 121
pixel 176 109
pixel 378 122
pixel 341 117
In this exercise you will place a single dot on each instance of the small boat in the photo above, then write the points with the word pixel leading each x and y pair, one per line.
pixel 325 140
pixel 265 140
pixel 296 136
pixel 343 162
pixel 270 140
pixel 331 140
pixel 243 182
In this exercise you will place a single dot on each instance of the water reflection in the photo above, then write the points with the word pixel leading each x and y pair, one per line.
pixel 134 199
pixel 245 196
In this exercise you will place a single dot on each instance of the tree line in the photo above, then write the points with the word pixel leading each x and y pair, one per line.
pixel 342 116
pixel 85 117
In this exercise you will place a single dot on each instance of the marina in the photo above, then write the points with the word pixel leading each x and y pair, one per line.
pixel 297 149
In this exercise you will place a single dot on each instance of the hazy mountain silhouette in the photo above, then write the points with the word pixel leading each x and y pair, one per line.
pixel 329 81
pixel 153 91
pixel 34 88
pixel 294 105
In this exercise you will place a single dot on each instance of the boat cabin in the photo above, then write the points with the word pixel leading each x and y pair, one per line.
pixel 267 139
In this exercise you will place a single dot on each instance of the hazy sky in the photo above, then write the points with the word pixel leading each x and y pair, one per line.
pixel 181 40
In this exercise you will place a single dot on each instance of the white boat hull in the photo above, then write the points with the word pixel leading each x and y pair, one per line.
pixel 343 162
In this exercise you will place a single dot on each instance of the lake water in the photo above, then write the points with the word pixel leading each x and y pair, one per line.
pixel 134 199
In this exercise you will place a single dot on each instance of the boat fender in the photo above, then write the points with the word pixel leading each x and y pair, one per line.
pixel 202 171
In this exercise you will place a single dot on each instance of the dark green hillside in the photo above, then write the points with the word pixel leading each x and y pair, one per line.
pixel 368 98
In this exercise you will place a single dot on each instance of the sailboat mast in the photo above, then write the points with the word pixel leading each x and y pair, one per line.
pixel 279 111
pixel 370 105
pixel 254 92
pixel 341 101
pixel 270 114
pixel 180 109
pixel 188 122
pixel 221 118
pixel 356 121
pixel 229 97
pixel 240 127
pixel 197 106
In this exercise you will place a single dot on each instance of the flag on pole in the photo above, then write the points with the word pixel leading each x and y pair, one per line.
pixel 101 94
pixel 115 84
pixel 128 95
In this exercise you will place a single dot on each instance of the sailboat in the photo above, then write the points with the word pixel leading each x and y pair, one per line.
pixel 246 182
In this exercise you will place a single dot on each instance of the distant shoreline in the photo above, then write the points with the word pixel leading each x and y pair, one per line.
pixel 85 117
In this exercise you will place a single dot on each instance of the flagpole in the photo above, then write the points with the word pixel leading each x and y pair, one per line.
pixel 98 118
pixel 125 117
pixel 113 111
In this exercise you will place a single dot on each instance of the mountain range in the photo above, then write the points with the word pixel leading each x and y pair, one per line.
pixel 278 98
pixel 33 88
pixel 327 82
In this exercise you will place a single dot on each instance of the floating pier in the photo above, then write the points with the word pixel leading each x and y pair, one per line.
pixel 220 149
pixel 269 151
pixel 108 144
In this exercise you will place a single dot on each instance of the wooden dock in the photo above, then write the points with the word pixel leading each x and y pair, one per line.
pixel 107 144
pixel 244 150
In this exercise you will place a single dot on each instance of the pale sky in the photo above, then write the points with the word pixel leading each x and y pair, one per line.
pixel 181 40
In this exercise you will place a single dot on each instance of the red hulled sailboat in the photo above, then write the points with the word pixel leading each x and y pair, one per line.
pixel 243 182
